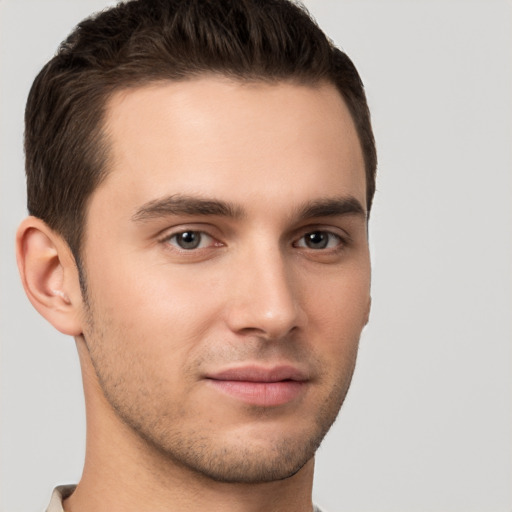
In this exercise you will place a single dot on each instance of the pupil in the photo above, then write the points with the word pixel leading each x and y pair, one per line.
pixel 316 240
pixel 189 240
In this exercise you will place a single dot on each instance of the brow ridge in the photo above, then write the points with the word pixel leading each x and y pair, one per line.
pixel 179 204
pixel 332 207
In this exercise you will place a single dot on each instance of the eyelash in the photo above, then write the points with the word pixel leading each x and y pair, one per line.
pixel 168 239
pixel 329 235
pixel 340 242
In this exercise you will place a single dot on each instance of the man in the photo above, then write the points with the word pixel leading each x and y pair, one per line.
pixel 199 179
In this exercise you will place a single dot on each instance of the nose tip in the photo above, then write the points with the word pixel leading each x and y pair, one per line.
pixel 270 322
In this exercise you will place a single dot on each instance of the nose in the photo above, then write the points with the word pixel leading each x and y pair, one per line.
pixel 265 296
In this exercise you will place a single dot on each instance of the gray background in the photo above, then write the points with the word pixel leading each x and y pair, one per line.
pixel 427 425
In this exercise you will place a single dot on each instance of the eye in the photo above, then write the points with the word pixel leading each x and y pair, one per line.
pixel 319 240
pixel 189 240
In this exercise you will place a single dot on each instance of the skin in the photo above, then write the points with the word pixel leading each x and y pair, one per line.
pixel 274 285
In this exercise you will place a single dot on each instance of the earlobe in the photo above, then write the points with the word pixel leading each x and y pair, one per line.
pixel 49 275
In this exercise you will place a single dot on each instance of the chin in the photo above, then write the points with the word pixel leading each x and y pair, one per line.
pixel 244 467
pixel 260 456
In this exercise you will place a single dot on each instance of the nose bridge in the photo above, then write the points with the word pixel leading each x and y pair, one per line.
pixel 265 295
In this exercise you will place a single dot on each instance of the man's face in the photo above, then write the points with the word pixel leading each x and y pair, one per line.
pixel 228 272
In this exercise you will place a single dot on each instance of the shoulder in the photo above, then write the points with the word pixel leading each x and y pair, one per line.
pixel 59 494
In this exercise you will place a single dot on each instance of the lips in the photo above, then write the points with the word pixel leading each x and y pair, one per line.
pixel 256 385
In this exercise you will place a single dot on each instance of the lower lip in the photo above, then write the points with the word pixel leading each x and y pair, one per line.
pixel 265 394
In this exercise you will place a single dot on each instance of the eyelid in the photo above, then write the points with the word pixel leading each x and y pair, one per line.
pixel 198 227
pixel 341 240
pixel 204 239
pixel 337 231
pixel 168 234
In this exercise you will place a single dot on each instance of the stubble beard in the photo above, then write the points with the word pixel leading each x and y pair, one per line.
pixel 238 463
pixel 198 451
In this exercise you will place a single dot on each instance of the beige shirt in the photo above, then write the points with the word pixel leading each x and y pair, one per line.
pixel 63 491
pixel 58 496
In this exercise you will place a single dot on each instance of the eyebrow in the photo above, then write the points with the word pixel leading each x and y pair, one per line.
pixel 332 207
pixel 186 205
pixel 179 204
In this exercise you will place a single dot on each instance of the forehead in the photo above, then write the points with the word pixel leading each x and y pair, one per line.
pixel 231 139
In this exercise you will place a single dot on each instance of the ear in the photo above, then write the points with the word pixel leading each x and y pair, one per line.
pixel 368 309
pixel 49 275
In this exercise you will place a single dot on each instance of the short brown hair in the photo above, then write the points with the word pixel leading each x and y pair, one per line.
pixel 142 41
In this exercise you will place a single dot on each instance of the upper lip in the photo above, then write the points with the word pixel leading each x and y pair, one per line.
pixel 255 373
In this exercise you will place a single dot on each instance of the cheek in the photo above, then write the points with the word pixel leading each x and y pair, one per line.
pixel 158 306
pixel 340 300
pixel 337 313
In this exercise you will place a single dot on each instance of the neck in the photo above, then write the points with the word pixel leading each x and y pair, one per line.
pixel 122 472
